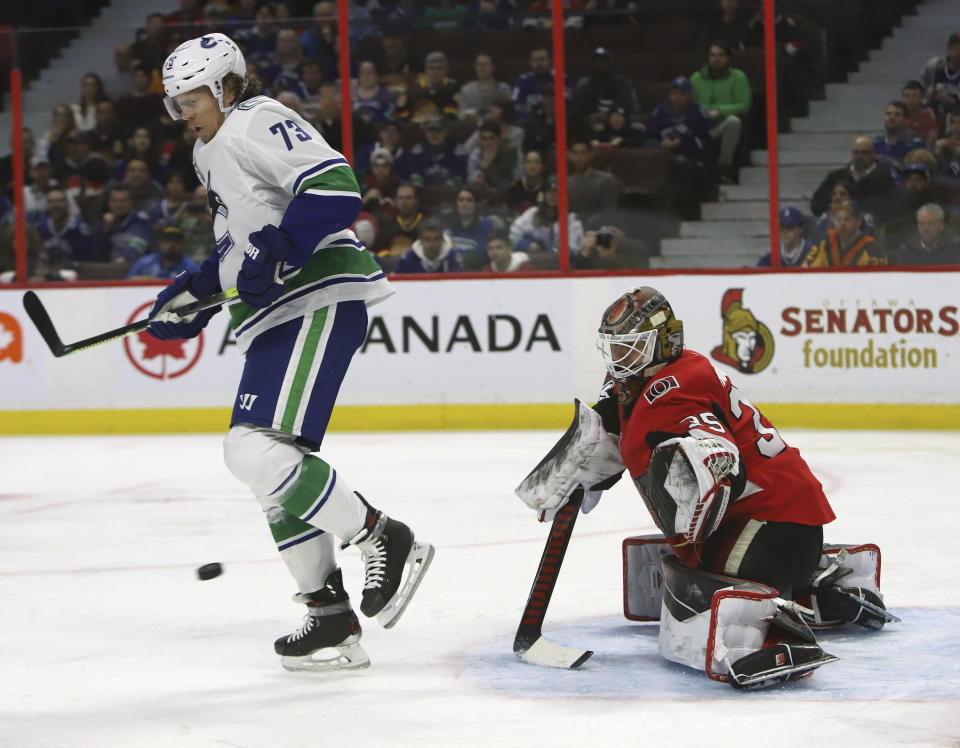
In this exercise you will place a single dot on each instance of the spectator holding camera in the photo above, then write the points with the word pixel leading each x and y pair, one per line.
pixel 608 248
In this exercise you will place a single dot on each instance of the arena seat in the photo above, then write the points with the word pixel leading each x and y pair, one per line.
pixel 641 171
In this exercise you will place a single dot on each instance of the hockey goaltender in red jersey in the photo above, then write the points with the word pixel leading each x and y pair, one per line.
pixel 746 575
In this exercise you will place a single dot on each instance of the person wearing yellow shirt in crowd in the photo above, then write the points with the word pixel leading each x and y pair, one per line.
pixel 846 244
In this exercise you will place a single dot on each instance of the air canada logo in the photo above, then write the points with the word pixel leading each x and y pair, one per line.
pixel 160 359
pixel 11 339
pixel 747 342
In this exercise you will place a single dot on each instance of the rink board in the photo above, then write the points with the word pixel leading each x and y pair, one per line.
pixel 815 349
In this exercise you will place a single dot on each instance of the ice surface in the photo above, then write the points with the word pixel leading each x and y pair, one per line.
pixel 108 639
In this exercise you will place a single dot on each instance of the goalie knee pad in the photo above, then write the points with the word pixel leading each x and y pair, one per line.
pixel 263 459
pixel 724 626
pixel 846 587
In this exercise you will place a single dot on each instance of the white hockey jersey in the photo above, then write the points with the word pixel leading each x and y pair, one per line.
pixel 263 156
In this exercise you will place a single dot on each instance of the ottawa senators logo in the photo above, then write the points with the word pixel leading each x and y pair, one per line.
pixel 747 342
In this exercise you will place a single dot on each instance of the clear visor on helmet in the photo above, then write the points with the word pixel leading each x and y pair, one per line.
pixel 628 354
pixel 173 109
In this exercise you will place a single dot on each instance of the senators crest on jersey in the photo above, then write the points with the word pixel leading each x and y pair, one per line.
pixel 747 342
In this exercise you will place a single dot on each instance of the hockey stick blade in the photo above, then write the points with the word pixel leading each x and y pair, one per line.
pixel 41 320
pixel 549 654
pixel 529 645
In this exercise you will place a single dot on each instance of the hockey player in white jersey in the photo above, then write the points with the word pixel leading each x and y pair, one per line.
pixel 283 202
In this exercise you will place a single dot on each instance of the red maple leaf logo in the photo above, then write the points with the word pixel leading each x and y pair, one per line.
pixel 153 347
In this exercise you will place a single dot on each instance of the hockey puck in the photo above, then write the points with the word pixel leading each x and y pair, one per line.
pixel 209 571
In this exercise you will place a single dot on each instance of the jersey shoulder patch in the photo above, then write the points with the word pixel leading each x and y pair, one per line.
pixel 251 103
pixel 660 387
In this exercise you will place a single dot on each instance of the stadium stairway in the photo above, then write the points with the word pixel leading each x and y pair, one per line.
pixel 734 231
pixel 91 51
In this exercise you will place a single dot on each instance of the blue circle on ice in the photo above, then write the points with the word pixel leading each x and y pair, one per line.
pixel 907 660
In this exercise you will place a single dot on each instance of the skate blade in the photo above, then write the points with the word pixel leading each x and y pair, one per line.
pixel 418 561
pixel 347 656
pixel 776 676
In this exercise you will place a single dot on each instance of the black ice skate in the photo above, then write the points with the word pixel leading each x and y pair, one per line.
pixel 850 604
pixel 329 638
pixel 388 546
pixel 771 666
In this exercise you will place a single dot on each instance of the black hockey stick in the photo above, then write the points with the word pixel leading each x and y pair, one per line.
pixel 41 320
pixel 529 644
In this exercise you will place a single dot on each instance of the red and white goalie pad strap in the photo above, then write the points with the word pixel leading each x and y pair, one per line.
pixel 696 481
pixel 708 621
pixel 583 457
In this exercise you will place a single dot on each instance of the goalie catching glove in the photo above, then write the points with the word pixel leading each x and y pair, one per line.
pixel 687 486
pixel 586 457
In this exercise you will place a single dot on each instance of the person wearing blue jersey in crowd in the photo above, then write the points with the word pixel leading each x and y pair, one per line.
pixel 793 247
pixel 124 233
pixel 469 230
pixel 283 202
pixel 168 261
pixel 65 236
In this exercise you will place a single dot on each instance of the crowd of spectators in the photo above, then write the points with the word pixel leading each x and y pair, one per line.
pixel 897 201
pixel 454 139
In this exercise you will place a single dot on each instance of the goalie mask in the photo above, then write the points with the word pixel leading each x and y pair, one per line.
pixel 204 61
pixel 639 333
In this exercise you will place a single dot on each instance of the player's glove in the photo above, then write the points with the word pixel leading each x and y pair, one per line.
pixel 185 289
pixel 257 281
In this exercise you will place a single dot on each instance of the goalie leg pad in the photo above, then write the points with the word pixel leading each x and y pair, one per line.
pixel 722 625
pixel 643 576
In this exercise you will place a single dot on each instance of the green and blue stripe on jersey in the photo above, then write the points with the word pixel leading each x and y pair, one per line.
pixel 326 203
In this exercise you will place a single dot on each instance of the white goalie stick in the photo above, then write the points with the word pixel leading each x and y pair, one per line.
pixel 529 644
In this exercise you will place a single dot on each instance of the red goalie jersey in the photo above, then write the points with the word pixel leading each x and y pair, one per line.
pixel 774 482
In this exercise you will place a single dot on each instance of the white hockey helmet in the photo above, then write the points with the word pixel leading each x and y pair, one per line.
pixel 203 61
